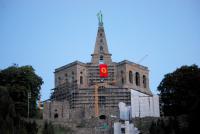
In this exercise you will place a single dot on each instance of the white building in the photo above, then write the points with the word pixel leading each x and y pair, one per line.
pixel 125 128
pixel 144 105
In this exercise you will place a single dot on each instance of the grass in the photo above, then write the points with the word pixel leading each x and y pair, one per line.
pixel 61 130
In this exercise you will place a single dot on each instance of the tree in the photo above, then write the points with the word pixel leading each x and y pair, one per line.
pixel 19 81
pixel 15 83
pixel 165 126
pixel 7 112
pixel 180 95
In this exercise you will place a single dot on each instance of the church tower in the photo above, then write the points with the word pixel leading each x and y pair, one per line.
pixel 101 53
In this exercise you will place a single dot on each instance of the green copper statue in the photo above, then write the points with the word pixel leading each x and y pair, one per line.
pixel 100 18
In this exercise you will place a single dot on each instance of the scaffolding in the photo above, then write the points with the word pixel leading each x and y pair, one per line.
pixel 93 74
pixel 107 96
pixel 97 96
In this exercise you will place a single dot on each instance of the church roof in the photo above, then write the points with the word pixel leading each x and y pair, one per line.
pixel 132 63
pixel 70 65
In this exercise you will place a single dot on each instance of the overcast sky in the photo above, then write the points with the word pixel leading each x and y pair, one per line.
pixel 48 34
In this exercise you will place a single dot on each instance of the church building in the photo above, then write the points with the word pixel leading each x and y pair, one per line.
pixel 80 93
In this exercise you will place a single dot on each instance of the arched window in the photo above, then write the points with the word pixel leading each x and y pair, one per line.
pixel 59 80
pixel 56 114
pixel 144 81
pixel 130 77
pixel 137 79
pixel 122 76
pixel 101 48
pixel 122 80
pixel 66 78
pixel 101 58
pixel 81 79
pixel 122 72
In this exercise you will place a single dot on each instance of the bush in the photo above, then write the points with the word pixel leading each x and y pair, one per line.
pixel 48 128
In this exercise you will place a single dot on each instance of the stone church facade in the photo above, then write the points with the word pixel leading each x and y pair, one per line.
pixel 74 94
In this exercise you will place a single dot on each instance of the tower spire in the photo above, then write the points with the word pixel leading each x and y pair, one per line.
pixel 101 53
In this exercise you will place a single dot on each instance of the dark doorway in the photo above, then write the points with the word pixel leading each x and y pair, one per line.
pixel 102 117
pixel 55 115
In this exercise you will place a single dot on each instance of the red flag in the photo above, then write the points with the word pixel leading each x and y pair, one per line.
pixel 103 70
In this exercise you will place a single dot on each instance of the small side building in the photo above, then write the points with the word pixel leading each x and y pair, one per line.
pixel 143 105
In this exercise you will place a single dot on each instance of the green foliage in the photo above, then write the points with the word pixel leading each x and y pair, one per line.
pixel 56 129
pixel 19 81
pixel 180 96
pixel 180 91
pixel 165 126
pixel 48 128
pixel 7 112
pixel 24 127
pixel 15 83
pixel 32 127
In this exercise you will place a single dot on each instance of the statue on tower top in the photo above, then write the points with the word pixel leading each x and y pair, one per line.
pixel 100 18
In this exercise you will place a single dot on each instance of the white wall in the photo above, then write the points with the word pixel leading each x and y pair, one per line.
pixel 144 105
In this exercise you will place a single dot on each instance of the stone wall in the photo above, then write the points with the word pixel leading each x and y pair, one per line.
pixel 60 111
pixel 123 76
pixel 56 110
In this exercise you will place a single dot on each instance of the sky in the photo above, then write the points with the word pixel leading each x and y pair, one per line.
pixel 46 34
